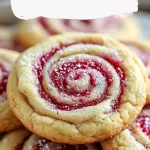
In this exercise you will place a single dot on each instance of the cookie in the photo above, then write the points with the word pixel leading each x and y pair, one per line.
pixel 7 40
pixel 142 50
pixel 89 84
pixel 22 139
pixel 136 137
pixel 13 140
pixel 36 30
pixel 7 119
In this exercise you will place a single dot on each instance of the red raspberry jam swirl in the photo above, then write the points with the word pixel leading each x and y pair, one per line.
pixel 43 22
pixel 144 123
pixel 143 120
pixel 3 79
pixel 67 78
pixel 97 25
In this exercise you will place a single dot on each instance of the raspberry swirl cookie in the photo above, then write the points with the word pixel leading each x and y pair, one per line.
pixel 136 137
pixel 22 139
pixel 7 40
pixel 77 88
pixel 142 50
pixel 34 31
pixel 7 119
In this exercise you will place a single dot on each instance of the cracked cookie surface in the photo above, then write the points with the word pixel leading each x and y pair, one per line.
pixel 77 88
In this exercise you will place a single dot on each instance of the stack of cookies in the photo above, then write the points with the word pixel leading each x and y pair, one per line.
pixel 76 91
pixel 38 29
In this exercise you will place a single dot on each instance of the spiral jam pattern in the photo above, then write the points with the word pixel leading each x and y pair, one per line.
pixel 140 129
pixel 3 79
pixel 97 25
pixel 80 79
pixel 144 124
pixel 45 25
pixel 77 81
pixel 92 25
